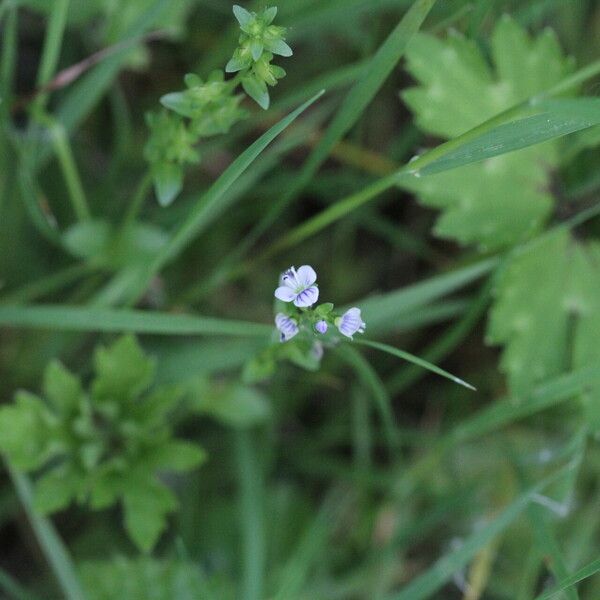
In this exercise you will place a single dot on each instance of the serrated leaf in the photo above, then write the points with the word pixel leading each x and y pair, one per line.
pixel 143 578
pixel 122 370
pixel 236 406
pixel 56 489
pixel 146 505
pixel 26 432
pixel 505 199
pixel 548 299
pixel 61 388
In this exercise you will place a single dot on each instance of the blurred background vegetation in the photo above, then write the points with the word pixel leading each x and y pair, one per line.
pixel 369 478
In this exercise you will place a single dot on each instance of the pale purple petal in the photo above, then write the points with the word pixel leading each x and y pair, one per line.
pixel 306 275
pixel 290 278
pixel 307 297
pixel 321 326
pixel 351 322
pixel 285 293
pixel 287 327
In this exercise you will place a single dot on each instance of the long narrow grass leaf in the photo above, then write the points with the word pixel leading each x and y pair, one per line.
pixel 415 360
pixel 54 550
pixel 75 318
pixel 584 573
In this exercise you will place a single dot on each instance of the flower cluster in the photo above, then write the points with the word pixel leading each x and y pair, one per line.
pixel 212 107
pixel 258 42
pixel 298 288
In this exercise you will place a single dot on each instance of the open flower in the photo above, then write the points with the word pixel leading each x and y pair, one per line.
pixel 350 323
pixel 298 287
pixel 287 326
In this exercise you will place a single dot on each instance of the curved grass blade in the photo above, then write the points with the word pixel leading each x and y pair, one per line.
pixel 415 360
pixel 209 205
pixel 54 550
pixel 583 573
pixel 371 381
pixel 426 584
pixel 75 318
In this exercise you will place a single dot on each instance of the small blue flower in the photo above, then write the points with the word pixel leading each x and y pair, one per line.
pixel 321 327
pixel 298 287
pixel 317 351
pixel 287 327
pixel 350 323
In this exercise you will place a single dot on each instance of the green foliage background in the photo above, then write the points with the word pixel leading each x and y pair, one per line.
pixel 158 441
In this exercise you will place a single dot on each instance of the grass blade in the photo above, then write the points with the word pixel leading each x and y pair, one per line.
pixel 372 382
pixel 415 360
pixel 358 98
pixel 75 318
pixel 209 206
pixel 379 311
pixel 252 516
pixel 54 550
pixel 435 577
pixel 583 573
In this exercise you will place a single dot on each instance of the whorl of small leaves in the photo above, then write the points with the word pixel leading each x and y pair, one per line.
pixel 212 107
pixel 101 445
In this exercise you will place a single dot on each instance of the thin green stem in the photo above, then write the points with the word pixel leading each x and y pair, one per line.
pixel 66 160
pixel 46 285
pixel 52 46
pixel 137 202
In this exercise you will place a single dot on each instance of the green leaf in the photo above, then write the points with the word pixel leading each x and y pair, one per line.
pixel 175 455
pixel 122 370
pixel 242 15
pixel 26 432
pixel 257 90
pixel 458 91
pixel 146 505
pixel 56 489
pixel 62 388
pixel 168 181
pixel 143 577
pixel 583 573
pixel 415 360
pixel 548 301
pixel 235 406
pixel 88 239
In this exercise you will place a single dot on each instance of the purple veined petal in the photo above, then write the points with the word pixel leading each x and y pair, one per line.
pixel 351 322
pixel 285 293
pixel 307 297
pixel 286 326
pixel 290 278
pixel 321 326
pixel 306 275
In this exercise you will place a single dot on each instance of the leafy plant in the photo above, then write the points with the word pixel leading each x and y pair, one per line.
pixel 557 276
pixel 103 445
pixel 211 107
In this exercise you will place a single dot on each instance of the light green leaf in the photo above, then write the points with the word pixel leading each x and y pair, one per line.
pixel 176 455
pixel 88 239
pixel 61 388
pixel 122 370
pixel 26 430
pixel 56 489
pixel 458 91
pixel 168 181
pixel 235 406
pixel 548 300
pixel 257 90
pixel 146 505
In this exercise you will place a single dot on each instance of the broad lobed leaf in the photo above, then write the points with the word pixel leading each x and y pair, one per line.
pixel 457 91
